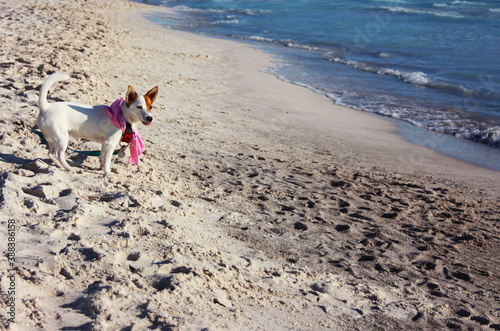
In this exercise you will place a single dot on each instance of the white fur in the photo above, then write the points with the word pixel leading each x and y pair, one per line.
pixel 59 120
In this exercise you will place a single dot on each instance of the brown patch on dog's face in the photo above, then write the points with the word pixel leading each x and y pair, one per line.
pixel 150 97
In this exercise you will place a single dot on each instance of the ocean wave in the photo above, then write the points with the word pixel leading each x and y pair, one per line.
pixel 406 10
pixel 488 135
pixel 252 12
pixel 197 10
pixel 415 77
pixel 228 20
pixel 442 121
pixel 397 1
pixel 462 5
pixel 293 44
pixel 243 12
pixel 252 38
pixel 284 42
pixel 257 38
pixel 469 3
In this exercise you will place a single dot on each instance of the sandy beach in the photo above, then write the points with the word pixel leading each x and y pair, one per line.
pixel 258 204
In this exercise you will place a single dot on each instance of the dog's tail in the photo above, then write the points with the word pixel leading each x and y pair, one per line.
pixel 55 77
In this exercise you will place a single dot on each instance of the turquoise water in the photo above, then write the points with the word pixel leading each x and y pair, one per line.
pixel 434 64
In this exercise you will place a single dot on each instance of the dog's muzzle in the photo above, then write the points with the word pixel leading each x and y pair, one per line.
pixel 147 120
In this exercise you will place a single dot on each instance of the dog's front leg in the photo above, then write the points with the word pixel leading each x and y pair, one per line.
pixel 106 155
pixel 101 158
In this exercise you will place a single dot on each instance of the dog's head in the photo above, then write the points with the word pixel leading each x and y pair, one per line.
pixel 139 107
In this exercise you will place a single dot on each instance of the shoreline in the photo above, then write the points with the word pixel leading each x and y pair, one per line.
pixel 258 204
pixel 436 142
pixel 405 155
pixel 464 150
pixel 489 160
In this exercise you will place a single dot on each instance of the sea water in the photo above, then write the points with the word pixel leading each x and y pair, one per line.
pixel 433 64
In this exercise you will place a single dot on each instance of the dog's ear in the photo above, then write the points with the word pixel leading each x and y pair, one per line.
pixel 131 96
pixel 152 94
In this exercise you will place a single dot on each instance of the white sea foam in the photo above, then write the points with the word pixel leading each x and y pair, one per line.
pixel 416 78
pixel 411 77
pixel 406 10
pixel 259 38
pixel 397 1
pixel 293 44
pixel 469 3
pixel 199 10
pixel 252 12
pixel 227 21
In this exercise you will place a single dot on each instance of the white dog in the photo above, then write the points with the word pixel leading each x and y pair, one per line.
pixel 102 124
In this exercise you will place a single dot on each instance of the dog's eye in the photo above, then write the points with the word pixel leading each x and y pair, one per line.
pixel 139 107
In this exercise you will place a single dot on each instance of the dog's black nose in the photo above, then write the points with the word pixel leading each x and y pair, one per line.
pixel 149 119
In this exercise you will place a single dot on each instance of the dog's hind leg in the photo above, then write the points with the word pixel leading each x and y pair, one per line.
pixel 62 159
pixel 52 152
pixel 60 152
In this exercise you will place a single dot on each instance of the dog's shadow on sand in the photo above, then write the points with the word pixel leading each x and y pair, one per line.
pixel 77 160
pixel 10 158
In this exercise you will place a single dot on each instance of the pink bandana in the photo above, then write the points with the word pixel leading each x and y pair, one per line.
pixel 116 115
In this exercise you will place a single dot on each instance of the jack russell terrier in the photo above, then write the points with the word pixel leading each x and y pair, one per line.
pixel 102 124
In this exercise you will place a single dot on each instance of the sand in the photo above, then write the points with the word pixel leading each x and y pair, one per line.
pixel 258 204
